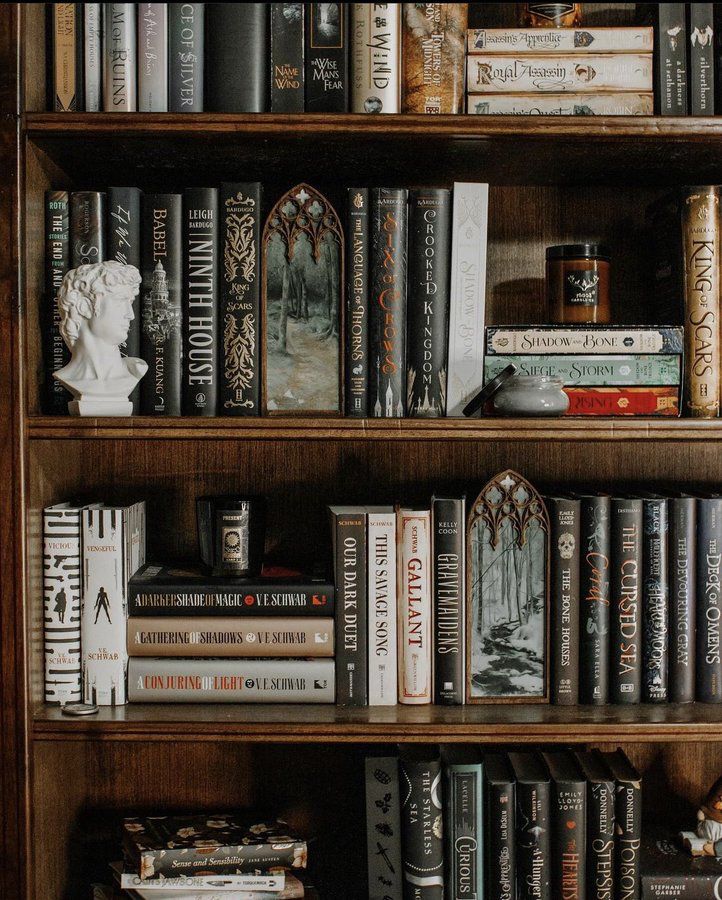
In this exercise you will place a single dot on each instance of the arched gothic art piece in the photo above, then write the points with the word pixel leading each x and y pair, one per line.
pixel 507 592
pixel 302 291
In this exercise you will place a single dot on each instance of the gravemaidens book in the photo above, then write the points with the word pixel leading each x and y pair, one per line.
pixel 448 551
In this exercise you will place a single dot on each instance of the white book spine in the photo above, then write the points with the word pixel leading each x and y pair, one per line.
pixel 624 103
pixel 153 57
pixel 130 881
pixel 93 48
pixel 381 582
pixel 414 592
pixel 560 40
pixel 376 57
pixel 61 584
pixel 468 294
pixel 119 58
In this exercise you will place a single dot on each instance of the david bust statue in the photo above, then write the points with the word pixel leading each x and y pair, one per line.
pixel 95 303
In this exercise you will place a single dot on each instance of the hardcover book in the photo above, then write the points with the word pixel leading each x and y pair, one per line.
pixel 560 40
pixel 668 872
pixel 594 592
pixel 383 828
pixel 709 600
pixel 413 530
pixel 185 56
pixel 533 820
pixel 376 57
pixel 422 803
pixel 682 598
pixel 701 29
pixel 93 55
pixel 626 600
pixel 631 370
pixel 198 887
pixel 120 85
pixel 164 680
pixel 57 263
pixel 153 57
pixel 464 823
pixel 382 607
pixel 448 552
pixel 671 58
pixel 428 301
pixel 433 50
pixel 288 73
pixel 628 824
pixel 499 797
pixel 66 76
pixel 358 250
pixel 327 57
pixel 600 790
pixel 625 103
pixel 601 340
pixel 655 600
pixel 633 401
pixel 569 826
pixel 87 228
pixel 237 63
pixel 565 539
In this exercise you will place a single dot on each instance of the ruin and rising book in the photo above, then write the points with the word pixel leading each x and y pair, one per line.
pixel 57 263
pixel 413 531
pixel 626 598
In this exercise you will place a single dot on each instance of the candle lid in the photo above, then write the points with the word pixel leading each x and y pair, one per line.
pixel 577 251
pixel 487 392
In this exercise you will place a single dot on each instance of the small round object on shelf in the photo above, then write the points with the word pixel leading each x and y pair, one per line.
pixel 531 395
pixel 78 709
pixel 479 400
pixel 577 281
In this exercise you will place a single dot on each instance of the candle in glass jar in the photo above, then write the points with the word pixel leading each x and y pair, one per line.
pixel 577 277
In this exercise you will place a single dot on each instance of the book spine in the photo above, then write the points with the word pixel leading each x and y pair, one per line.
pixel 66 81
pixel 185 57
pixel 352 612
pixel 57 263
pixel 61 582
pixel 249 637
pixel 692 886
pixel 655 601
pixel 387 310
pixel 701 59
pixel 123 221
pixel 625 591
pixel 120 90
pixel 199 389
pixel 288 73
pixel 653 401
pixel 250 858
pixel 160 391
pixel 383 828
pixel 564 74
pixel 464 833
pixel 247 599
pixel 560 40
pixel 628 818
pixel 153 57
pixel 93 55
pixel 87 228
pixel 702 354
pixel 500 806
pixel 633 370
pixel 376 57
pixel 564 515
pixel 382 611
pixel 682 598
pixel 468 295
pixel 709 601
pixel 428 301
pixel 607 104
pixel 594 593
pixel 327 57
pixel 449 588
pixel 671 59
pixel 236 44
pixel 433 51
pixel 602 341
pixel 569 840
pixel 358 249
pixel 240 298
pixel 235 887
pixel 414 606
pixel 533 845
pixel 600 840
pixel 422 848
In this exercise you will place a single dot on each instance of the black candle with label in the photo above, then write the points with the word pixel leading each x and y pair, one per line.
pixel 231 534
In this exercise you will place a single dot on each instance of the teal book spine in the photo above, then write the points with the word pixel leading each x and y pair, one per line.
pixel 633 370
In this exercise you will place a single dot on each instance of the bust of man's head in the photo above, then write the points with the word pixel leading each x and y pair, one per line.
pixel 98 297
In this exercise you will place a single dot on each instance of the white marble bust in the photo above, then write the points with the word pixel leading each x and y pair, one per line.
pixel 96 308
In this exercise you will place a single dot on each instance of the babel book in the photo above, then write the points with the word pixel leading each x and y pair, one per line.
pixel 682 552
pixel 57 263
pixel 185 57
pixel 288 76
pixel 595 555
pixel 433 51
pixel 564 517
pixel 626 600
pixel 569 825
pixel 413 532
pixel 164 680
pixel 120 87
pixel 383 828
pixel 327 57
pixel 66 75
pixel 358 248
pixel 533 821
pixel 628 824
pixel 499 804
pixel 231 636
pixel 448 546
pixel 160 591
pixel 600 826
pixel 376 57
pixel 421 786
pixel 709 599
pixel 382 614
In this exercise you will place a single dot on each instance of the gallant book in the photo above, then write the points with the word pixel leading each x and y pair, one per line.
pixel 422 802
pixel 413 533
pixel 600 825
pixel 66 65
pixel 655 600
pixel 564 545
pixel 448 554
pixel 533 822
pixel 709 599
pixel 93 55
pixel 358 250
pixel 602 339
pixel 57 263
pixel 153 57
pixel 288 75
pixel 185 56
pixel 499 803
pixel 120 85
pixel 237 61
pixel 164 680
pixel 626 600
pixel 560 40
pixel 628 828
pixel 433 50
pixel 87 228
pixel 327 57
pixel 376 57
pixel 382 611
pixel 595 563
pixel 682 598
pixel 383 828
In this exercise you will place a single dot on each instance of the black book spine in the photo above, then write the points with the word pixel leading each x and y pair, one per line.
pixel 448 530
pixel 57 263
pixel 655 601
pixel 422 848
pixel 594 587
pixel 428 301
pixel 161 258
pixel 600 840
pixel 327 57
pixel 564 516
pixel 87 228
pixel 626 676
pixel 709 601
pixel 701 59
pixel 124 247
pixel 628 824
pixel 387 311
pixel 358 249
pixel 682 602
pixel 533 845
pixel 240 298
pixel 185 57
pixel 236 57
pixel 288 74
pixel 569 839
pixel 200 302
pixel 671 61
pixel 500 820
pixel 352 615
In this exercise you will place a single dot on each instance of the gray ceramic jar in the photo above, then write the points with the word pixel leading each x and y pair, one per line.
pixel 531 395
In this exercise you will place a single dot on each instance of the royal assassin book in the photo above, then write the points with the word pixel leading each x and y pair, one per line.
pixel 358 252
pixel 376 57
pixel 682 598
pixel 655 600
pixel 628 824
pixel 433 52
pixel 120 84
pixel 626 600
pixel 565 538
pixel 153 57
pixel 463 823
pixel 448 524
pixel 595 561
pixel 288 75
pixel 383 828
pixel 87 228
pixel 422 804
pixel 327 57
pixel 66 55
pixel 709 599
pixel 569 826
pixel 237 64
pixel 186 56
pixel 600 789
pixel 533 821
pixel 57 263
pixel 430 212
pixel 500 826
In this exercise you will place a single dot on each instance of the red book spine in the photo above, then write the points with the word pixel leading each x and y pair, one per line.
pixel 655 401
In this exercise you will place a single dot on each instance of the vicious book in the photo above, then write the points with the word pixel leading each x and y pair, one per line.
pixel 626 600
pixel 533 820
pixel 236 47
pixel 413 531
pixel 382 607
pixel 569 826
pixel 186 56
pixel 358 251
pixel 327 57
pixel 709 599
pixel 153 57
pixel 464 825
pixel 628 824
pixel 600 800
pixel 422 804
pixel 57 263
pixel 448 552
pixel 655 600
pixel 87 228
pixel 376 57
pixel 565 539
pixel 433 51
pixel 65 79
pixel 288 74
pixel 682 598
pixel 595 561
pixel 120 85
pixel 499 804
pixel 383 828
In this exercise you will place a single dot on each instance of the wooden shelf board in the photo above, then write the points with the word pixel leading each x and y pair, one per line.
pixel 341 429
pixel 510 723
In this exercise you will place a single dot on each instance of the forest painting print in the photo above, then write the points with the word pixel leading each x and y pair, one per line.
pixel 507 592
pixel 302 290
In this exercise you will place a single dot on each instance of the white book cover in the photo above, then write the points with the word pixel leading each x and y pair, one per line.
pixel 560 40
pixel 92 49
pixel 468 294
pixel 624 103
pixel 153 57
pixel 113 548
pixel 381 587
pixel 414 606
pixel 119 58
pixel 376 57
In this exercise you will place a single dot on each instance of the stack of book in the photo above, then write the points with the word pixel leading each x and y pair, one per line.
pixel 560 71
pixel 522 824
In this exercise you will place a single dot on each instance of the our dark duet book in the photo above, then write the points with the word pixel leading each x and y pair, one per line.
pixel 57 263
pixel 595 564
pixel 288 75
pixel 500 826
pixel 655 600
pixel 448 530
pixel 186 56
pixel 569 826
pixel 236 57
pixel 383 828
pixel 628 824
pixel 428 292
pixel 358 250
pixel 702 63
pixel 422 803
pixel 682 598
pixel 240 298
pixel 600 825
pixel 87 228
pixel 327 57
pixel 709 599
pixel 564 519
pixel 626 600
pixel 533 822
pixel 463 823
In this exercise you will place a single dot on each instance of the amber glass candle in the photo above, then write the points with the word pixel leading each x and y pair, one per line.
pixel 577 278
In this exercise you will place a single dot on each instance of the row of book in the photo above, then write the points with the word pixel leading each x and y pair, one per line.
pixel 258 57
pixel 542 825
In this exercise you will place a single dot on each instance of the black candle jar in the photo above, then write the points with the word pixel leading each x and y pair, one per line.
pixel 231 534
